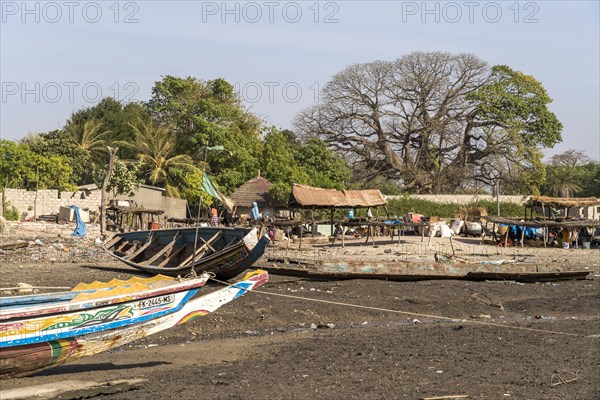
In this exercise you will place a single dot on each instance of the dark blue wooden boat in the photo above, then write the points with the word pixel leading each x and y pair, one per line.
pixel 226 252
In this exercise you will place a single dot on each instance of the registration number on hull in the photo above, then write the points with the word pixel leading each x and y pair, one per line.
pixel 155 301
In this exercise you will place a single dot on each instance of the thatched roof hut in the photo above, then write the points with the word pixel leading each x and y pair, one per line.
pixel 255 190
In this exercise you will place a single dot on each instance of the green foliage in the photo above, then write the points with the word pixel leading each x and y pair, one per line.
pixel 125 179
pixel 84 138
pixel 155 144
pixel 515 105
pixel 89 136
pixel 189 183
pixel 286 161
pixel 518 102
pixel 208 113
pixel 569 181
pixel 10 212
pixel 116 118
pixel 405 204
pixel 325 168
pixel 387 187
pixel 280 161
pixel 22 168
pixel 59 143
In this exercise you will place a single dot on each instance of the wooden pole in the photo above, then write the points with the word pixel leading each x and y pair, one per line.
pixel 522 235
pixel 112 151
pixel 331 223
pixel 543 211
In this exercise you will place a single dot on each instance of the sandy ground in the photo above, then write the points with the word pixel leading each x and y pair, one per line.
pixel 357 339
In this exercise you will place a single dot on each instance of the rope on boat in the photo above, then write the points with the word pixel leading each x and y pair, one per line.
pixel 414 314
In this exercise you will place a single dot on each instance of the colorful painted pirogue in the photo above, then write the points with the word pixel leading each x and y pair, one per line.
pixel 226 252
pixel 43 331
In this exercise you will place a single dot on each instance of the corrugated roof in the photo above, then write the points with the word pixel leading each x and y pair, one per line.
pixel 308 196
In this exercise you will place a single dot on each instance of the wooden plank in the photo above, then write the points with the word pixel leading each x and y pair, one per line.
pixel 141 249
pixel 122 246
pixel 203 247
pixel 162 251
pixel 171 256
pixel 13 245
pixel 112 242
pixel 207 244
pixel 70 388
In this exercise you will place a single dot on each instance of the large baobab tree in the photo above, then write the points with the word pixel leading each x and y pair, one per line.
pixel 436 122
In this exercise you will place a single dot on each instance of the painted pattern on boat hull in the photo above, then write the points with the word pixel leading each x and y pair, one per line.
pixel 26 359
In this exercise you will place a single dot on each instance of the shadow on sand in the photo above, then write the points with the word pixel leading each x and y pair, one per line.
pixel 117 269
pixel 73 369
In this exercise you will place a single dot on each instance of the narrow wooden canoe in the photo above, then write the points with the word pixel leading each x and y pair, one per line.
pixel 226 252
pixel 414 271
pixel 22 353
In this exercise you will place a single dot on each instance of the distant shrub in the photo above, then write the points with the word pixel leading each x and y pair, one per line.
pixel 405 204
pixel 507 209
pixel 10 212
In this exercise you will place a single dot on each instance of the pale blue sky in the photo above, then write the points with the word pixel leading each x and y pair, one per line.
pixel 279 58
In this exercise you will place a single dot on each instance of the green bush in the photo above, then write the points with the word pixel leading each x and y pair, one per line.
pixel 407 204
pixel 10 212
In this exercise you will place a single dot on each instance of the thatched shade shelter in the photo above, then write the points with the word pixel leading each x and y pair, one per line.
pixel 563 202
pixel 586 207
pixel 569 224
pixel 304 196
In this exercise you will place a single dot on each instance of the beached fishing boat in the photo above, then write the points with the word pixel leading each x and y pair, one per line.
pixel 226 252
pixel 413 271
pixel 43 331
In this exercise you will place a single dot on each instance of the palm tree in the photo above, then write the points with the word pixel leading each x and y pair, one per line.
pixel 88 136
pixel 563 182
pixel 155 144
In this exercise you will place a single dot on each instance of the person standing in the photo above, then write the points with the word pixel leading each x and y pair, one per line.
pixel 214 219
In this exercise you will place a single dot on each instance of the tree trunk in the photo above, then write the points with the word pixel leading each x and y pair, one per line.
pixel 112 151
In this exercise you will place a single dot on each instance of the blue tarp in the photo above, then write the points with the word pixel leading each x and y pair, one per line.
pixel 530 233
pixel 255 212
pixel 81 228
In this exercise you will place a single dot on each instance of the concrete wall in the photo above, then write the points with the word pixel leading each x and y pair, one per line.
pixel 146 197
pixel 93 230
pixel 31 204
pixel 463 198
pixel 43 202
pixel 153 199
pixel 591 212
pixel 174 208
